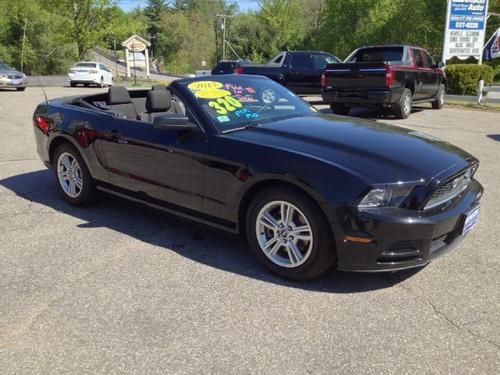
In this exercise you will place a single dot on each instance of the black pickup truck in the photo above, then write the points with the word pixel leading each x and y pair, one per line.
pixel 299 71
pixel 392 77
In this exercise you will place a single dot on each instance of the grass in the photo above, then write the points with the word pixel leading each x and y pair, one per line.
pixel 488 107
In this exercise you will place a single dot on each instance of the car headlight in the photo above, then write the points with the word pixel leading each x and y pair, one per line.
pixel 3 76
pixel 387 195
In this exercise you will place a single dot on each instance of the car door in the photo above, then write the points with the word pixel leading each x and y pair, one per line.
pixel 431 83
pixel 302 73
pixel 155 164
pixel 426 75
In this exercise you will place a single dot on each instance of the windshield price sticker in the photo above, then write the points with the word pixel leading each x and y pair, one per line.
pixel 204 85
pixel 211 93
pixel 225 105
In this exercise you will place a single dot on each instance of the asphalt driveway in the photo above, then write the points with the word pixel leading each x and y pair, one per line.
pixel 116 288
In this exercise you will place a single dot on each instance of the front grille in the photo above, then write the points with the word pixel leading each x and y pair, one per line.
pixel 14 77
pixel 449 190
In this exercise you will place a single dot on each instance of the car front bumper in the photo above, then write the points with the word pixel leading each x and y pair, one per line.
pixel 401 239
pixel 14 83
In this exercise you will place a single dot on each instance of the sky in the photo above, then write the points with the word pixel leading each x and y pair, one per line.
pixel 127 5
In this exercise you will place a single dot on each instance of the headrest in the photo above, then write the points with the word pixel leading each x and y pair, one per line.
pixel 158 101
pixel 118 95
pixel 159 87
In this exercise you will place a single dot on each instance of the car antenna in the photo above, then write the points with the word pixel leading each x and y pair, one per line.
pixel 43 90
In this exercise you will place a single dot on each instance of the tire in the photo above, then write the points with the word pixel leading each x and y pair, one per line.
pixel 20 88
pixel 101 82
pixel 340 109
pixel 72 84
pixel 438 103
pixel 402 109
pixel 291 258
pixel 69 163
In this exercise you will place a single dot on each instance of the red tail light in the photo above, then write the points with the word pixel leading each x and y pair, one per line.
pixel 238 70
pixel 323 79
pixel 390 76
pixel 42 123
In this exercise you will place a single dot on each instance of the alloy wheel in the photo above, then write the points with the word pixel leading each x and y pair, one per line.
pixel 284 234
pixel 69 175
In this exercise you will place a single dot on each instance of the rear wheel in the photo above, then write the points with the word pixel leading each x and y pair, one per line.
pixel 101 82
pixel 74 181
pixel 438 103
pixel 72 84
pixel 402 109
pixel 340 109
pixel 20 88
pixel 288 233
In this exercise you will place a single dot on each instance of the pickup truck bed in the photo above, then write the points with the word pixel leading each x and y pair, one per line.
pixel 395 78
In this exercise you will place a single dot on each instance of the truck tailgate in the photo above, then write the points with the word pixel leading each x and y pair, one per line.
pixel 355 76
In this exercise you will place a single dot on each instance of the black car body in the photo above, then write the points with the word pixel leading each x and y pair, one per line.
pixel 376 197
pixel 389 76
pixel 299 71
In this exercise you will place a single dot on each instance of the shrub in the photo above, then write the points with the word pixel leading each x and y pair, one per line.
pixel 463 79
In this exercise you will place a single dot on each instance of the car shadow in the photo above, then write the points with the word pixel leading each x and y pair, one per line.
pixel 187 239
pixel 373 113
pixel 495 137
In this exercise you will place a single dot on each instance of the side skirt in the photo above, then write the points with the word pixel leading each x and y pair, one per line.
pixel 181 212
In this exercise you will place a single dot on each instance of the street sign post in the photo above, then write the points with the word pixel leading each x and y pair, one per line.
pixel 465 29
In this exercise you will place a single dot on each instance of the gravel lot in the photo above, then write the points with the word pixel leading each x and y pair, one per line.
pixel 119 289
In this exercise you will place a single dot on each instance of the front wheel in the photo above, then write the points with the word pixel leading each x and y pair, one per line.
pixel 289 234
pixel 74 181
pixel 402 109
pixel 438 103
pixel 101 82
pixel 21 88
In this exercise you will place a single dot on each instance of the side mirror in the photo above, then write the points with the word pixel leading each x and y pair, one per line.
pixel 173 122
pixel 440 64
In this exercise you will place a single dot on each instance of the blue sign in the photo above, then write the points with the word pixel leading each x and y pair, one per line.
pixel 467 14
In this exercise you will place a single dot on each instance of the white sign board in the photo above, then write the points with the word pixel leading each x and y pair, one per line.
pixel 465 29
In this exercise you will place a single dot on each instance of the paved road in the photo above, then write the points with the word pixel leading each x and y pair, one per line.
pixel 118 289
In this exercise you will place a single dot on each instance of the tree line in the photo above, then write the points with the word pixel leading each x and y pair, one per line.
pixel 47 36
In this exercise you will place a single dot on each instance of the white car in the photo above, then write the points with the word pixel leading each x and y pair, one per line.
pixel 90 73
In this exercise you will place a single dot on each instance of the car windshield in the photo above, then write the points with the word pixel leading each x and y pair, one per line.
pixel 235 101
pixel 4 66
pixel 385 54
pixel 85 65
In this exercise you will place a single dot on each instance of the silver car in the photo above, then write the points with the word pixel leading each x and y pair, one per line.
pixel 10 77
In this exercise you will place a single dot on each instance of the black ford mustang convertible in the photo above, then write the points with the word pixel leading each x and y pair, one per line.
pixel 244 154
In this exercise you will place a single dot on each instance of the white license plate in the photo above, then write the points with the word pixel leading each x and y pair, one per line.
pixel 470 220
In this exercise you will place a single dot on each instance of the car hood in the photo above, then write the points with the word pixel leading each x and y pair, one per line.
pixel 10 72
pixel 376 152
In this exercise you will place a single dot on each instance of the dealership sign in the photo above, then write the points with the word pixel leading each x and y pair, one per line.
pixel 465 29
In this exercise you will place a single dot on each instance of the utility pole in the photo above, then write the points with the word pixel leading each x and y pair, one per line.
pixel 22 44
pixel 223 27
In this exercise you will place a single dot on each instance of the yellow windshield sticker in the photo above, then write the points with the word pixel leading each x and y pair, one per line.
pixel 203 85
pixel 211 93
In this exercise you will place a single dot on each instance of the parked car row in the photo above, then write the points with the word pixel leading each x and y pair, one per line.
pixel 391 77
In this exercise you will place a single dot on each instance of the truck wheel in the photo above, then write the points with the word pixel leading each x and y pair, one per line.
pixel 402 109
pixel 438 103
pixel 340 109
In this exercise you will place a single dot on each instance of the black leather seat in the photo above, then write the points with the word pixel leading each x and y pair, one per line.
pixel 119 102
pixel 158 102
pixel 159 87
